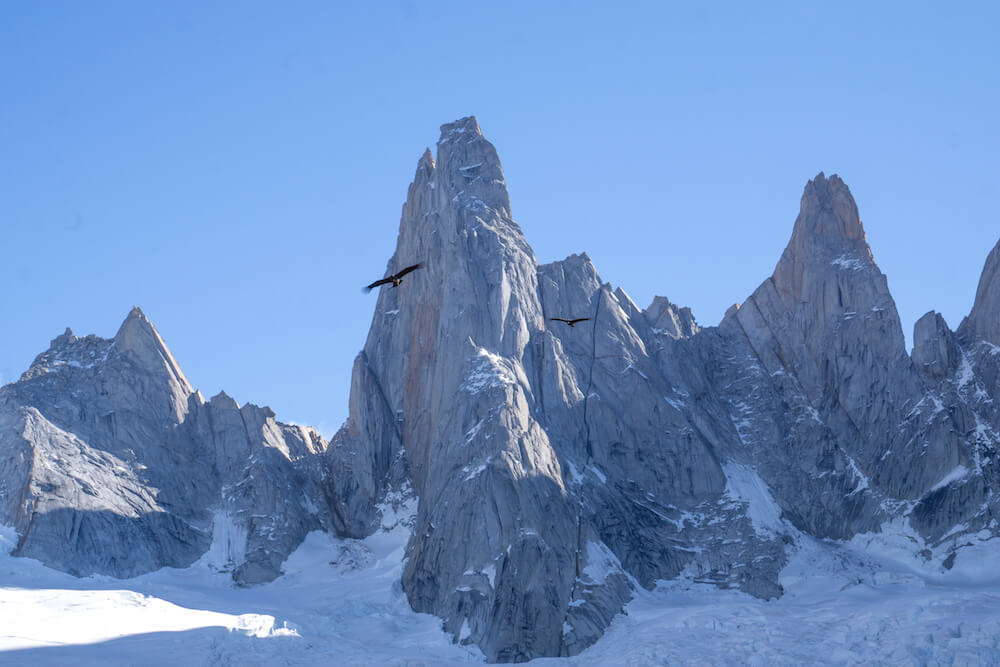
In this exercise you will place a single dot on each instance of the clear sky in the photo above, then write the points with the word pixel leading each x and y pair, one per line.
pixel 237 169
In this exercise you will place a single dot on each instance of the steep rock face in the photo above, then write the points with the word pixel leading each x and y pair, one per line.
pixel 936 351
pixel 826 334
pixel 665 317
pixel 961 372
pixel 553 464
pixel 625 417
pixel 559 467
pixel 440 391
pixel 983 323
pixel 112 464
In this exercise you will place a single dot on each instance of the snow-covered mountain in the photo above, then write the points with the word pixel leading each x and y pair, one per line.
pixel 578 463
pixel 559 471
pixel 111 464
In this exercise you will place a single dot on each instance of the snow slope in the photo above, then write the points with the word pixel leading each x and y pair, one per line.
pixel 870 601
pixel 339 602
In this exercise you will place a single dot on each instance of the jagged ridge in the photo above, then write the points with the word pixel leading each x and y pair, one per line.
pixel 111 463
pixel 556 468
pixel 580 462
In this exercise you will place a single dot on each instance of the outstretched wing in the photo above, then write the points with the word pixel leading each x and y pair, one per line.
pixel 375 284
pixel 403 272
pixel 579 319
pixel 393 277
pixel 559 319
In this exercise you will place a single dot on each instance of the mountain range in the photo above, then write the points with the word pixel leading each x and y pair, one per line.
pixel 555 469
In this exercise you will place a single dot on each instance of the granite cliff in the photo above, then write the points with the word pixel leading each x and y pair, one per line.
pixel 111 463
pixel 556 468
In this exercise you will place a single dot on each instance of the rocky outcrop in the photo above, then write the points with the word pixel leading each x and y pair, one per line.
pixel 110 463
pixel 936 351
pixel 983 322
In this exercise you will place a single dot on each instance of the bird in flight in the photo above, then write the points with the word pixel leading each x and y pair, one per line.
pixel 569 322
pixel 395 278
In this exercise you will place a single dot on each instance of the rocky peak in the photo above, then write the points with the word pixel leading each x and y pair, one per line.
pixel 983 322
pixel 426 167
pixel 935 351
pixel 139 342
pixel 223 401
pixel 470 167
pixel 478 281
pixel 826 318
pixel 456 222
pixel 568 284
pixel 69 353
pixel 731 311
pixel 64 339
pixel 467 124
pixel 121 469
pixel 827 250
pixel 668 318
pixel 828 209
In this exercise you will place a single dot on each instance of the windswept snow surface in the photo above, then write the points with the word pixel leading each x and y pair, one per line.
pixel 868 601
pixel 338 603
pixel 745 485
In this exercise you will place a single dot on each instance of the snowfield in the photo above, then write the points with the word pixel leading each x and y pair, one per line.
pixel 340 603
pixel 866 602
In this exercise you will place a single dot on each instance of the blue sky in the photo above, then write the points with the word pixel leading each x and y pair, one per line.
pixel 237 170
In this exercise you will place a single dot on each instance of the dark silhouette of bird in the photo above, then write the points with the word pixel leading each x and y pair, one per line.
pixel 569 322
pixel 395 278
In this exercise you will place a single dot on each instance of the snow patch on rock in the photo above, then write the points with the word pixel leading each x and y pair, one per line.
pixel 743 484
pixel 487 370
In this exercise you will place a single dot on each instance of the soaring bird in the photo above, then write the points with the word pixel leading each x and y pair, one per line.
pixel 395 278
pixel 569 322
